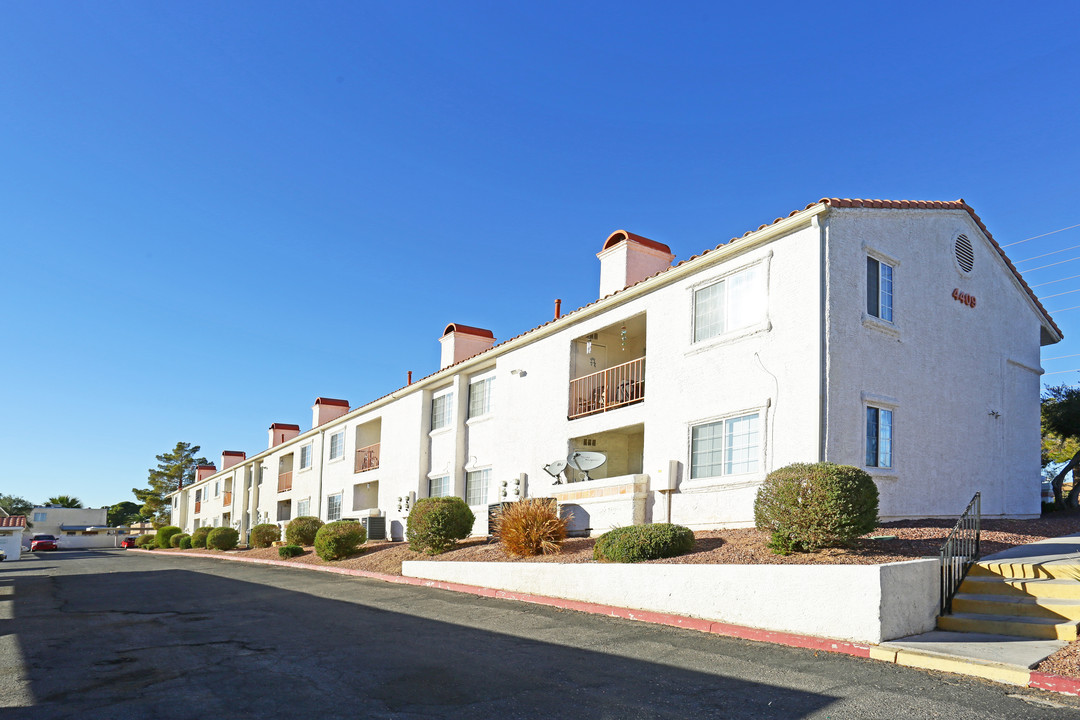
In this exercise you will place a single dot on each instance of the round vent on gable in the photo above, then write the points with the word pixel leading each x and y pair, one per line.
pixel 965 253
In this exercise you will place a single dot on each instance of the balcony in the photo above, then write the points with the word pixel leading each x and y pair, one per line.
pixel 367 458
pixel 198 506
pixel 226 498
pixel 284 481
pixel 609 389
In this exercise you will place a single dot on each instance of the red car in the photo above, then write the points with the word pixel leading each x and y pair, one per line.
pixel 128 542
pixel 42 542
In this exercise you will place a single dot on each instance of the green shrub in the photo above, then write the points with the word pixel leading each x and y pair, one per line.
pixel 301 531
pixel 145 541
pixel 289 551
pixel 198 536
pixel 265 535
pixel 165 533
pixel 176 539
pixel 531 527
pixel 806 507
pixel 435 524
pixel 185 542
pixel 223 538
pixel 643 542
pixel 339 539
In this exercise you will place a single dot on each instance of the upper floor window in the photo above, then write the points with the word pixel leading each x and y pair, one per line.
pixel 879 289
pixel 39 517
pixel 735 302
pixel 337 445
pixel 217 488
pixel 333 507
pixel 198 495
pixel 476 487
pixel 439 486
pixel 305 456
pixel 879 437
pixel 480 396
pixel 442 410
pixel 726 447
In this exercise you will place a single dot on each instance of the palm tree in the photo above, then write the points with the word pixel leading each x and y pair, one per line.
pixel 66 501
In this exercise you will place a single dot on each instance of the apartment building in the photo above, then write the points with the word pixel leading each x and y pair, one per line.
pixel 891 335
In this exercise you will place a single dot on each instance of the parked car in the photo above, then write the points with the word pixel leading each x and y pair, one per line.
pixel 128 542
pixel 42 542
pixel 3 556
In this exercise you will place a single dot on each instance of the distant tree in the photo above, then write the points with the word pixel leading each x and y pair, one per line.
pixel 15 505
pixel 65 501
pixel 124 513
pixel 1061 418
pixel 173 467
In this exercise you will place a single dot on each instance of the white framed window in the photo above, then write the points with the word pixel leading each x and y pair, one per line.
pixel 337 445
pixel 731 446
pixel 879 437
pixel 198 495
pixel 879 289
pixel 439 486
pixel 39 517
pixel 734 302
pixel 333 507
pixel 303 507
pixel 476 486
pixel 214 522
pixel 305 456
pixel 481 395
pixel 217 488
pixel 442 409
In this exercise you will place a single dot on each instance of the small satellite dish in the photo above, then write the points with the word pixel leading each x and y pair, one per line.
pixel 554 469
pixel 586 461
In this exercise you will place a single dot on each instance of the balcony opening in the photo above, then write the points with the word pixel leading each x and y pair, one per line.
pixel 368 436
pixel 365 497
pixel 226 495
pixel 624 448
pixel 607 368
pixel 284 478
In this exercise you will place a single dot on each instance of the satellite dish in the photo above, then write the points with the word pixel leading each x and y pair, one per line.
pixel 586 461
pixel 554 469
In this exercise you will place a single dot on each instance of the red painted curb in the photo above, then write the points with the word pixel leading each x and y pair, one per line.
pixel 1054 683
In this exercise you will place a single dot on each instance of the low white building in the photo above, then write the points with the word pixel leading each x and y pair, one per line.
pixel 75 528
pixel 12 528
pixel 891 335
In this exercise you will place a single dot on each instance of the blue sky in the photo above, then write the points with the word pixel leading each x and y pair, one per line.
pixel 212 213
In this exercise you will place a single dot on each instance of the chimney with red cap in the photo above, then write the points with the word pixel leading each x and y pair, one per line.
pixel 628 258
pixel 460 342
pixel 326 409
pixel 280 432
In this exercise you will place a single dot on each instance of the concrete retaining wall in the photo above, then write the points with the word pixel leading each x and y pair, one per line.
pixel 864 603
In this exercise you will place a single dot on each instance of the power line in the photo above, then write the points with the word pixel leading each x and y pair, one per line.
pixel 1047 254
pixel 1043 267
pixel 1051 282
pixel 1060 357
pixel 1042 236
pixel 1047 297
pixel 1060 372
pixel 1074 307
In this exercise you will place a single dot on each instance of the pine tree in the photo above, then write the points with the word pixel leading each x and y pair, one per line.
pixel 173 467
pixel 1061 418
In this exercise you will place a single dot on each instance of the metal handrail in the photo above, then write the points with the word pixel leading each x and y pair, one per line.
pixel 959 552
pixel 284 481
pixel 367 458
pixel 608 389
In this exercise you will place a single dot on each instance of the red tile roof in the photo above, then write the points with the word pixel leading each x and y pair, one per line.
pixel 619 235
pixel 13 521
pixel 468 330
pixel 331 401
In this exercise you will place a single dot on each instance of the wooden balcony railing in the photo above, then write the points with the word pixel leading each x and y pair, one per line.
pixel 367 458
pixel 226 498
pixel 198 506
pixel 284 481
pixel 608 389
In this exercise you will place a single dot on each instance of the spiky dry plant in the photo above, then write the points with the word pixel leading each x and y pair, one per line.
pixel 531 527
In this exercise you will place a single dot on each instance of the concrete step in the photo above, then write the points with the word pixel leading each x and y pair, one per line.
pixel 1004 568
pixel 1033 627
pixel 1060 609
pixel 1028 587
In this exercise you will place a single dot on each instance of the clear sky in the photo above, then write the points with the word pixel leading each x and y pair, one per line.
pixel 212 213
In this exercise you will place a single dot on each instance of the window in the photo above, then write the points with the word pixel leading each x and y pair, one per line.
pixel 217 488
pixel 439 486
pixel 303 507
pixel 736 302
pixel 725 447
pixel 284 511
pixel 879 289
pixel 476 487
pixel 39 517
pixel 441 410
pixel 305 457
pixel 879 437
pixel 480 396
pixel 198 496
pixel 337 445
pixel 333 507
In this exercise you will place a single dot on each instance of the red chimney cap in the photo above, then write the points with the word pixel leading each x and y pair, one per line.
pixel 284 426
pixel 331 401
pixel 468 330
pixel 619 235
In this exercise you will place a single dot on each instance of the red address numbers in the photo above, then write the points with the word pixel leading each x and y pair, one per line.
pixel 963 297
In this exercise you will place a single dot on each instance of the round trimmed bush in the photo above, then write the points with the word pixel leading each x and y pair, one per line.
pixel 176 539
pixel 289 551
pixel 435 524
pixel 164 534
pixel 643 542
pixel 531 527
pixel 301 531
pixel 806 507
pixel 198 536
pixel 185 542
pixel 223 538
pixel 265 535
pixel 146 541
pixel 339 539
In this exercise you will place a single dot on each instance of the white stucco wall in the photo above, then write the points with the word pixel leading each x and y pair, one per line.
pixel 11 541
pixel 863 603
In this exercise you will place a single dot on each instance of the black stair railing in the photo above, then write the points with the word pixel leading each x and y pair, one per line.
pixel 959 552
